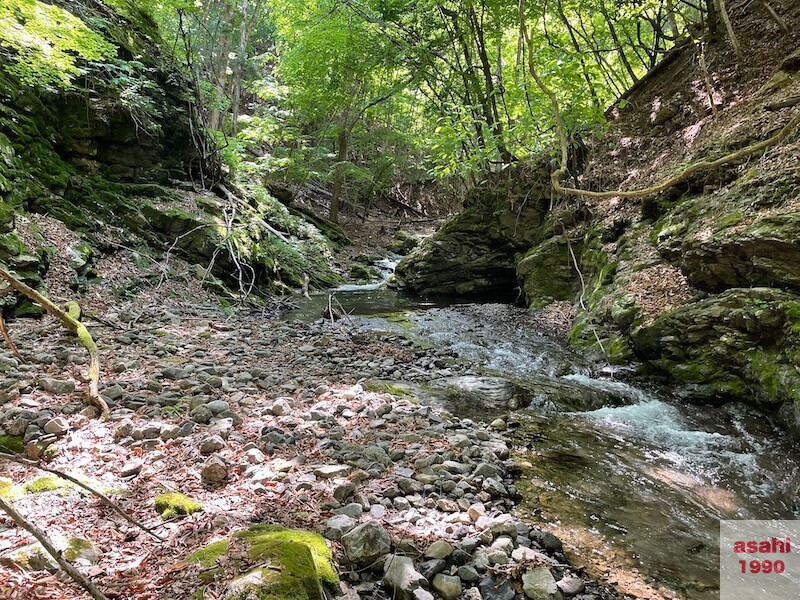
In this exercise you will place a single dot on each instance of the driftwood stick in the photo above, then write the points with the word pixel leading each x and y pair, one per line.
pixel 105 499
pixel 70 322
pixel 40 536
pixel 8 340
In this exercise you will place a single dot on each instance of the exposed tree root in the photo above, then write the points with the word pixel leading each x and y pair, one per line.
pixel 40 536
pixel 70 322
pixel 703 165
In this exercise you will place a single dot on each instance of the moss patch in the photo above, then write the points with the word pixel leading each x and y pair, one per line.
pixel 8 490
pixel 173 504
pixel 12 442
pixel 386 387
pixel 48 483
pixel 290 564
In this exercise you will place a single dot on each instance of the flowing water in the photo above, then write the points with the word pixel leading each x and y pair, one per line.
pixel 634 482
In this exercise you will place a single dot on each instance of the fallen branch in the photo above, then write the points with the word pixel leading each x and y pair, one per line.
pixel 105 499
pixel 40 536
pixel 76 327
pixel 8 340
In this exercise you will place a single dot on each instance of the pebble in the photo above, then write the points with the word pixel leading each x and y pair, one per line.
pixel 439 549
pixel 130 468
pixel 211 444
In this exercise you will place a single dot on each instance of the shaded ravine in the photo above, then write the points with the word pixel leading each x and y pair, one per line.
pixel 633 482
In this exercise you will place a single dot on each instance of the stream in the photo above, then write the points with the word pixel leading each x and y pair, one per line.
pixel 634 482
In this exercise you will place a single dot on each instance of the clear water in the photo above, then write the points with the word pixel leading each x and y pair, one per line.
pixel 637 488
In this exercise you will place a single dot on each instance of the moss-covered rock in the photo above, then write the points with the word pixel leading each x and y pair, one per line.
pixel 547 274
pixel 403 242
pixel 473 254
pixel 283 564
pixel 174 504
pixel 81 551
pixel 8 490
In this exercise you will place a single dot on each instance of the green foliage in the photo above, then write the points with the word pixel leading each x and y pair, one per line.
pixel 44 43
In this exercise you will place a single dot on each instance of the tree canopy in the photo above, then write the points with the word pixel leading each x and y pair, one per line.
pixel 359 94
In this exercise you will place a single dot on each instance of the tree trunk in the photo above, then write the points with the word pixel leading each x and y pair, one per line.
pixel 338 177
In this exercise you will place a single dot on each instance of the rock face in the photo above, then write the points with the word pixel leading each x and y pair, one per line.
pixel 745 247
pixel 474 254
pixel 547 274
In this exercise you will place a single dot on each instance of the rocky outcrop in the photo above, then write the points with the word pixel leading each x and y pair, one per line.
pixel 741 344
pixel 474 254
pixel 742 237
pixel 547 273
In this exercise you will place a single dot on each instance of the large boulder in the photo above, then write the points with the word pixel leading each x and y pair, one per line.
pixel 290 563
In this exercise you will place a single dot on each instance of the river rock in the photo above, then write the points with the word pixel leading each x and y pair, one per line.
pixel 538 584
pixel 56 426
pixel 332 471
pixel 546 540
pixel 338 525
pixel 498 588
pixel 431 568
pixel 439 549
pixel 468 574
pixel 353 510
pixel 130 468
pixel 211 444
pixel 447 586
pixel 215 470
pixel 56 386
pixel 402 577
pixel 571 586
pixel 366 543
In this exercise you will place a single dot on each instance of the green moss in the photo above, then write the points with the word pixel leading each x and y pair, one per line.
pixel 729 220
pixel 268 539
pixel 386 387
pixel 8 490
pixel 79 548
pixel 292 564
pixel 362 273
pixel 47 483
pixel 173 504
pixel 207 557
pixel 12 442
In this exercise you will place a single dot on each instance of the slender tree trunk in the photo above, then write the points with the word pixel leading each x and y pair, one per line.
pixel 338 177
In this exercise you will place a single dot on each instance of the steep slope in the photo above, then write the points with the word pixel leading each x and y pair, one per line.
pixel 117 166
pixel 701 281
